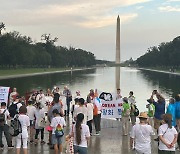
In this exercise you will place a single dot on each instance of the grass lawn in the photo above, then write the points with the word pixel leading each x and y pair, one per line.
pixel 9 72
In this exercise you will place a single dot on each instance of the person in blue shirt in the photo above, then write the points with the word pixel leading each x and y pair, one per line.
pixel 177 99
pixel 171 109
pixel 159 109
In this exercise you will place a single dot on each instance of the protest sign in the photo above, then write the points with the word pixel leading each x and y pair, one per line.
pixel 111 107
pixel 4 92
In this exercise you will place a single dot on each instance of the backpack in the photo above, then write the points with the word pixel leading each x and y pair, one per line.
pixel 136 111
pixel 13 110
pixel 59 130
pixel 15 128
pixel 2 118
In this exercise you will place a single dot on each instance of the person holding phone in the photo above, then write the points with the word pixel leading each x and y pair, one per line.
pixel 159 109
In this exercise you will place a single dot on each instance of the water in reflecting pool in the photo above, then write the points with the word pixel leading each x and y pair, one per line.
pixel 141 82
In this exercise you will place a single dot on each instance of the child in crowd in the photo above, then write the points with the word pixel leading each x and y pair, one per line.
pixel 22 138
pixel 57 123
pixel 30 113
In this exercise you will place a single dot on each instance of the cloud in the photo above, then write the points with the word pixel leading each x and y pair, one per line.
pixel 139 7
pixel 96 22
pixel 174 0
pixel 169 9
pixel 91 13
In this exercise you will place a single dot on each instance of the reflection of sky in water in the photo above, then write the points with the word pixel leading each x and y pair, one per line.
pixel 141 82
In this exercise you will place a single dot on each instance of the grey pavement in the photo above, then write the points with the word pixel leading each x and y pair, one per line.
pixel 110 141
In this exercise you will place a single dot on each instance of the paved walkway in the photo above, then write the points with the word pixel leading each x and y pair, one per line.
pixel 110 141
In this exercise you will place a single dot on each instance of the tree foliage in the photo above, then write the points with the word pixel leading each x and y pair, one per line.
pixel 165 55
pixel 17 50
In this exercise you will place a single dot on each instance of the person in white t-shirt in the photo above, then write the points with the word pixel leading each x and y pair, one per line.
pixel 4 127
pixel 140 137
pixel 90 108
pixel 81 109
pixel 56 122
pixel 81 135
pixel 22 138
pixel 13 95
pixel 40 98
pixel 30 113
pixel 39 126
pixel 167 135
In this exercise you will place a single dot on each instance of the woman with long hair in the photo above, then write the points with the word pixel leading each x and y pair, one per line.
pixel 81 135
pixel 167 135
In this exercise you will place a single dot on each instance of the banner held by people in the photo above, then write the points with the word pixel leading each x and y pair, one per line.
pixel 111 108
pixel 4 92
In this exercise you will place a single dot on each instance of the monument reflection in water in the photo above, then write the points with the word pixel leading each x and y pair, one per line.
pixel 117 77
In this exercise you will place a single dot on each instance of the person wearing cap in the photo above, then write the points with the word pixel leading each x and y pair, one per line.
pixel 167 135
pixel 140 137
pixel 151 111
pixel 125 116
pixel 14 107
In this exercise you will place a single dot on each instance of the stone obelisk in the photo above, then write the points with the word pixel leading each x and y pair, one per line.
pixel 118 41
pixel 118 53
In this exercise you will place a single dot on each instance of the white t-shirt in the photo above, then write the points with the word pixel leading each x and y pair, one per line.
pixel 39 114
pixel 25 122
pixel 90 108
pixel 84 133
pixel 142 135
pixel 31 112
pixel 42 99
pixel 57 120
pixel 6 113
pixel 168 135
pixel 82 110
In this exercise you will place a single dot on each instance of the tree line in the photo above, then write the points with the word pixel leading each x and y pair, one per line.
pixel 20 51
pixel 164 55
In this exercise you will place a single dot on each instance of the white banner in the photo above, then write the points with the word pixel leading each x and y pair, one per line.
pixel 4 91
pixel 111 107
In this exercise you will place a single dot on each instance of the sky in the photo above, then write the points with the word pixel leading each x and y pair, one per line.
pixel 91 24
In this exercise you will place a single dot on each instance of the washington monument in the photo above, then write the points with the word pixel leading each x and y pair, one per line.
pixel 118 54
pixel 118 41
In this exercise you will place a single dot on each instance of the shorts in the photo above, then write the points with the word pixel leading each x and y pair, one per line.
pixel 80 150
pixel 32 123
pixel 157 123
pixel 56 140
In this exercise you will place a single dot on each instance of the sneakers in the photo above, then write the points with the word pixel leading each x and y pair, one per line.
pixel 42 142
pixel 97 134
pixel 10 147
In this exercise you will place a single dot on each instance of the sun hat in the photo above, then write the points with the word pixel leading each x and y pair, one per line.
pixel 143 115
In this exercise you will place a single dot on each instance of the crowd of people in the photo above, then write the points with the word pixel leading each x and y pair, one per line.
pixel 25 120
pixel 160 119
